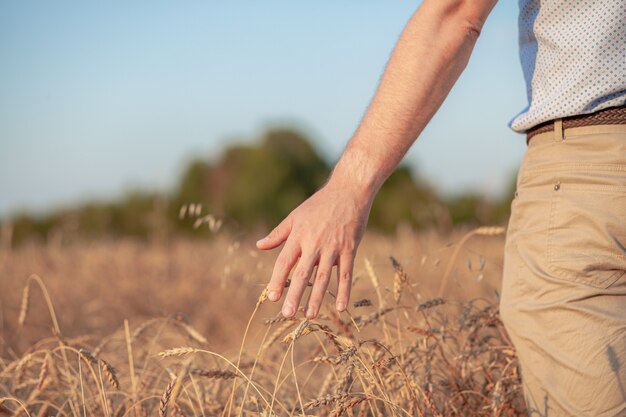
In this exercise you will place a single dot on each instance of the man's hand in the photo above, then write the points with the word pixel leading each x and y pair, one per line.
pixel 326 229
pixel 322 232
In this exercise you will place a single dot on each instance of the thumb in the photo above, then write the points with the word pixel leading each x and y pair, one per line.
pixel 276 236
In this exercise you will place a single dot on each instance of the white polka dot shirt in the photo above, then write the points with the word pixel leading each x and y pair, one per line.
pixel 573 55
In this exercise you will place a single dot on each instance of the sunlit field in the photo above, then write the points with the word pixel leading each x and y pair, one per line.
pixel 183 328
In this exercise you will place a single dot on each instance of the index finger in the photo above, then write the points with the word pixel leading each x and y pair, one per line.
pixel 284 264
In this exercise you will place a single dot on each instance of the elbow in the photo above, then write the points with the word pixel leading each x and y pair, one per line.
pixel 467 16
pixel 471 28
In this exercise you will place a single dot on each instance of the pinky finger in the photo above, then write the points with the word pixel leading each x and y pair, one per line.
pixel 344 278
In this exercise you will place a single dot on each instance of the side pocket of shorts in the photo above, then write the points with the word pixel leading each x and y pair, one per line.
pixel 587 233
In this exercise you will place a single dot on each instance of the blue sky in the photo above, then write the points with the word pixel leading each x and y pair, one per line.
pixel 100 98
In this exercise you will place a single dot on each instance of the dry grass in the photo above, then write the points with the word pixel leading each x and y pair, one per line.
pixel 184 329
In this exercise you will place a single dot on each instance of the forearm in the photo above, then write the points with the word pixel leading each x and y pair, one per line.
pixel 429 57
pixel 325 230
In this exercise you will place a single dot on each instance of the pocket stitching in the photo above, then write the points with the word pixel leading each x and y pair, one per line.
pixel 601 283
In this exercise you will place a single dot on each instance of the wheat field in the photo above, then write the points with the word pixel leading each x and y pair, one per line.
pixel 183 328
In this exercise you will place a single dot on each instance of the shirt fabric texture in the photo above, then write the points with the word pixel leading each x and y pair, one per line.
pixel 573 56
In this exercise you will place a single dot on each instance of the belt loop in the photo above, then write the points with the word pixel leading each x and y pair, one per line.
pixel 559 135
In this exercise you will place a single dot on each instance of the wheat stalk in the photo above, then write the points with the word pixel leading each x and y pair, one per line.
pixel 346 379
pixel 214 374
pixel 193 333
pixel 347 405
pixel 44 372
pixel 325 384
pixel 430 304
pixel 399 279
pixel 303 329
pixel 278 319
pixel 362 303
pixel 337 359
pixel 22 365
pixel 179 351
pixel 143 327
pixel 277 333
pixel 110 373
pixel 482 231
pixel 374 280
pixel 373 317
pixel 165 398
pixel 325 400
pixel 24 304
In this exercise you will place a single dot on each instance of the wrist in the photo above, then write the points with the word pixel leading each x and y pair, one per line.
pixel 357 175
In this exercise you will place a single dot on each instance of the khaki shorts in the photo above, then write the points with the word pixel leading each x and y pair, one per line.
pixel 564 286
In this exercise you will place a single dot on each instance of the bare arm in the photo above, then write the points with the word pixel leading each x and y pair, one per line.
pixel 326 229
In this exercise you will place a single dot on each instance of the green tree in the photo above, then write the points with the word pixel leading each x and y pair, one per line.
pixel 257 184
pixel 402 199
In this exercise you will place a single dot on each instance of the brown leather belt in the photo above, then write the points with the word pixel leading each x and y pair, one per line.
pixel 610 116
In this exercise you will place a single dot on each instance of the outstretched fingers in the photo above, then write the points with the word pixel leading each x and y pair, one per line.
pixel 284 264
pixel 344 278
pixel 322 278
pixel 299 282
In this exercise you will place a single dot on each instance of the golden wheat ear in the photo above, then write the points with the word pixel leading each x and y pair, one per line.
pixel 24 304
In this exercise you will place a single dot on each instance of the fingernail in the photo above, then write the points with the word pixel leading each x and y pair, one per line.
pixel 310 313
pixel 272 296
pixel 341 306
pixel 287 310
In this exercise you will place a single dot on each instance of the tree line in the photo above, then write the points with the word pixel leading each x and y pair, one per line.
pixel 252 187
